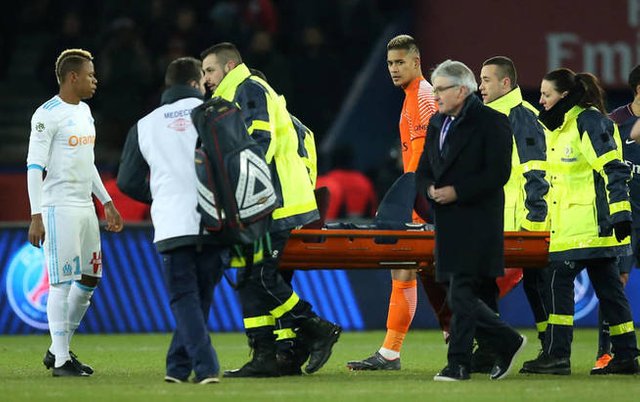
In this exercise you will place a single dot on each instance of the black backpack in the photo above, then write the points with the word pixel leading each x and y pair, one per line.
pixel 235 192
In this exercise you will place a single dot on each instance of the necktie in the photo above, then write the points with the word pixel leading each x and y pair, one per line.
pixel 445 130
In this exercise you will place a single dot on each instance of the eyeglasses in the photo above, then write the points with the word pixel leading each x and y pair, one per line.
pixel 438 90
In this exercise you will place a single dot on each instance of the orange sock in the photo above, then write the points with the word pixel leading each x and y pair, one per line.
pixel 402 308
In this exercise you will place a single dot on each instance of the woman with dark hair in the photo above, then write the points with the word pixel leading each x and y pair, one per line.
pixel 590 218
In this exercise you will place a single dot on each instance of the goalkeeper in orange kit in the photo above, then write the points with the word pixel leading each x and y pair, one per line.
pixel 403 61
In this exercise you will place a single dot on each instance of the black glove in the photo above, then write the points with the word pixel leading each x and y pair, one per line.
pixel 622 229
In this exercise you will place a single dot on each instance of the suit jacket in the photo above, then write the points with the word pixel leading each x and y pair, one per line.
pixel 476 160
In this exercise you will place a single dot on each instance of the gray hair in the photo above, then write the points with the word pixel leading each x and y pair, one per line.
pixel 458 73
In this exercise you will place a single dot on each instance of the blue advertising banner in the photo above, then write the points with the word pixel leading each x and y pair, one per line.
pixel 132 296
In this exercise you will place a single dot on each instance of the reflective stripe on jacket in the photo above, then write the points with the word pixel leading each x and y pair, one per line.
pixel 525 204
pixel 269 123
pixel 589 190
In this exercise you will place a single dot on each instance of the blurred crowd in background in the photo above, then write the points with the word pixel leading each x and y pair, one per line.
pixel 309 50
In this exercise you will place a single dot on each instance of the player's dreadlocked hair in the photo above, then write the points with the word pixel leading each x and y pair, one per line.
pixel 70 60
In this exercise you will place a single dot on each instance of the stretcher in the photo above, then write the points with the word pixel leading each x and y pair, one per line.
pixel 394 249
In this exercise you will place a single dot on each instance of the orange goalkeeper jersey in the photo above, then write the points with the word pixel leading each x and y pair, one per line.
pixel 418 107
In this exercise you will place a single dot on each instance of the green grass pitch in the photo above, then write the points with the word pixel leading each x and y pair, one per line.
pixel 131 368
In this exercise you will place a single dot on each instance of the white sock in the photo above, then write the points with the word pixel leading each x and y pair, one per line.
pixel 57 308
pixel 389 354
pixel 79 301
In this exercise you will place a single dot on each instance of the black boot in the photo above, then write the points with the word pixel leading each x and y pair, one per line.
pixel 319 336
pixel 547 364
pixel 291 355
pixel 619 365
pixel 263 363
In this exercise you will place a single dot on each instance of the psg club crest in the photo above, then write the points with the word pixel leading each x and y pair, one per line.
pixel 28 286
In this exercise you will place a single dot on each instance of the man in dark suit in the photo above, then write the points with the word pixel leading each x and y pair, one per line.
pixel 463 169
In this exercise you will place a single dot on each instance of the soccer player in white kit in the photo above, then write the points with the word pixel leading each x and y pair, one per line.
pixel 63 218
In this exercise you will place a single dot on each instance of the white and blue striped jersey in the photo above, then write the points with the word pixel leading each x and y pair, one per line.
pixel 61 142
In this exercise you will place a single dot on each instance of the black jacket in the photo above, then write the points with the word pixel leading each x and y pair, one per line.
pixel 476 161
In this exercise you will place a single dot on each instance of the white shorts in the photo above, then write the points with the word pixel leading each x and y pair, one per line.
pixel 71 243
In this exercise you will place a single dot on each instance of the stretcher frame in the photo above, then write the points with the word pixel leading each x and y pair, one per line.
pixel 394 249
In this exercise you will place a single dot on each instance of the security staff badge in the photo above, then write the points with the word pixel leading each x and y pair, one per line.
pixel 568 155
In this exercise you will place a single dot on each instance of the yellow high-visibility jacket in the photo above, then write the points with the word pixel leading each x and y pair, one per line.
pixel 525 206
pixel 589 190
pixel 269 123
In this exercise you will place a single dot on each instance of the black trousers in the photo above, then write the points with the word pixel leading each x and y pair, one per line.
pixel 470 313
pixel 603 273
pixel 534 283
pixel 264 291
pixel 191 276
pixel 488 292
